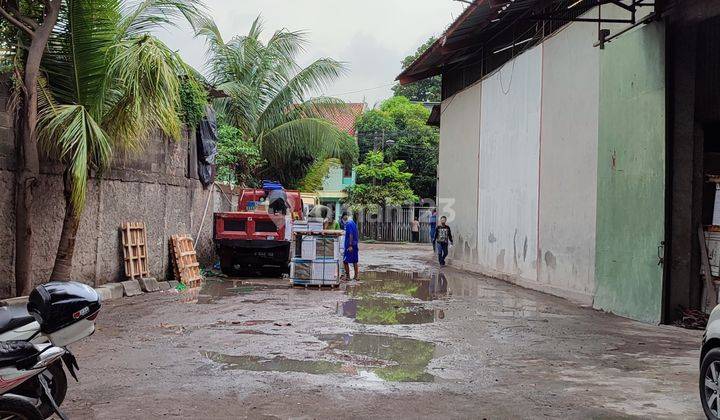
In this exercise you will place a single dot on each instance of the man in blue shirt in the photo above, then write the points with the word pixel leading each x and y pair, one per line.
pixel 351 246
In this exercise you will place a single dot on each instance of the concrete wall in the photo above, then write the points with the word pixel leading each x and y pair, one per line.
pixel 631 175
pixel 543 142
pixel 509 158
pixel 568 162
pixel 152 186
pixel 458 169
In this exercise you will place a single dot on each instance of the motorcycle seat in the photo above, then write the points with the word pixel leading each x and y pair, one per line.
pixel 14 351
pixel 14 316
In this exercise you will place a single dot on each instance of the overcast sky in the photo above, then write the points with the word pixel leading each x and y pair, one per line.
pixel 371 36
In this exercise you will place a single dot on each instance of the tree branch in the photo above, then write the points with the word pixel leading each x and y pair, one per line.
pixel 24 19
pixel 10 18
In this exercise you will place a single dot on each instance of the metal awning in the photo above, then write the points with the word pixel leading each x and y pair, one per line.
pixel 503 24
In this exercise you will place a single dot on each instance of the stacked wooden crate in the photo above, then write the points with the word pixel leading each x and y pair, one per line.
pixel 134 241
pixel 316 258
pixel 185 263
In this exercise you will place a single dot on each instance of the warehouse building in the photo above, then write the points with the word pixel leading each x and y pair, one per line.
pixel 579 141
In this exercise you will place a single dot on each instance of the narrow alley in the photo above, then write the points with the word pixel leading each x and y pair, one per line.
pixel 409 341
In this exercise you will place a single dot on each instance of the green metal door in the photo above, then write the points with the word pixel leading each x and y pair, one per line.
pixel 631 175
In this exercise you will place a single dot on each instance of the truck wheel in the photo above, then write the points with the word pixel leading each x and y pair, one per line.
pixel 275 271
pixel 227 267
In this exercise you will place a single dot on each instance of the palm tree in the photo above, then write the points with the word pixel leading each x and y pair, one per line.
pixel 268 98
pixel 109 83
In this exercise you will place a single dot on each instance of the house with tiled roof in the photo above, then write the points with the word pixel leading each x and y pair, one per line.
pixel 340 177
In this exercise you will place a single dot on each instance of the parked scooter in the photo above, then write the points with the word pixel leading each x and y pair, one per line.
pixel 57 315
pixel 14 407
pixel 21 362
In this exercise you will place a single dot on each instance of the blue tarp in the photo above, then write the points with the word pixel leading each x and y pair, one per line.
pixel 271 185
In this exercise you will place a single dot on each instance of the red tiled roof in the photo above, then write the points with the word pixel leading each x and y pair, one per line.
pixel 345 119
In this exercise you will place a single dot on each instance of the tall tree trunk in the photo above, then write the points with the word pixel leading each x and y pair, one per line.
pixel 62 270
pixel 28 164
pixel 26 175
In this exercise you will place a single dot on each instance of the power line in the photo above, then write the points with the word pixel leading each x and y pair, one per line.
pixel 362 90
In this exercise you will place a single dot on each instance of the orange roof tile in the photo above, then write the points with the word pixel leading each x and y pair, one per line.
pixel 345 118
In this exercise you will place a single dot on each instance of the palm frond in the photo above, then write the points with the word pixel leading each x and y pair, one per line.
pixel 148 72
pixel 323 107
pixel 78 55
pixel 268 92
pixel 307 136
pixel 314 77
pixel 142 17
pixel 70 133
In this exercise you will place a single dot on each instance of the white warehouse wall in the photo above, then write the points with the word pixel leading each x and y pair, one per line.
pixel 527 137
pixel 507 222
pixel 458 170
pixel 568 163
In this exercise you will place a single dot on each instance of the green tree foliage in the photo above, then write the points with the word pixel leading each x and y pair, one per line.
pixel 427 90
pixel 193 99
pixel 238 160
pixel 7 46
pixel 315 177
pixel 407 137
pixel 370 127
pixel 380 183
pixel 268 99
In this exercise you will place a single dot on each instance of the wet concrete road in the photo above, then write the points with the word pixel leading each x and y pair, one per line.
pixel 410 341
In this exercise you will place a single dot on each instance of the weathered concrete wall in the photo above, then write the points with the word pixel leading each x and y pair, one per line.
pixel 568 163
pixel 631 174
pixel 458 169
pixel 152 186
pixel 509 159
pixel 551 214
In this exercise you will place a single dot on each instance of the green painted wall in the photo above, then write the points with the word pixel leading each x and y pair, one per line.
pixel 334 181
pixel 631 174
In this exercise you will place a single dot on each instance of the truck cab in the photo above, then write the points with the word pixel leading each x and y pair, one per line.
pixel 257 237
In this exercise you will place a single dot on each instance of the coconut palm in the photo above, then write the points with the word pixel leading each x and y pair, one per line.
pixel 268 98
pixel 110 82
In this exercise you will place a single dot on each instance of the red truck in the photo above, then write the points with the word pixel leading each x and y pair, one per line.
pixel 257 236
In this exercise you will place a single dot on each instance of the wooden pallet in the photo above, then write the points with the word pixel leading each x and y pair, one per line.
pixel 134 241
pixel 184 259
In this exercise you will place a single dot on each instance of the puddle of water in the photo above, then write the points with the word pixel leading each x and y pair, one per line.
pixel 408 358
pixel 212 291
pixel 420 286
pixel 387 298
pixel 273 364
pixel 369 356
pixel 387 311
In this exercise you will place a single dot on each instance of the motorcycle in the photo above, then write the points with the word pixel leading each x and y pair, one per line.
pixel 33 344
pixel 14 407
pixel 20 362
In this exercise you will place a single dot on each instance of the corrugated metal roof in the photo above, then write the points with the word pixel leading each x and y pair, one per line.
pixel 480 24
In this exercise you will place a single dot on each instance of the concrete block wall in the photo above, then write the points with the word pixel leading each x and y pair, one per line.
pixel 154 186
pixel 569 200
pixel 458 170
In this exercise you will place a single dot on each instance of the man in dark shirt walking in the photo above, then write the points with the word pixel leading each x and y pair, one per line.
pixel 443 237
